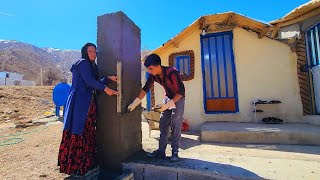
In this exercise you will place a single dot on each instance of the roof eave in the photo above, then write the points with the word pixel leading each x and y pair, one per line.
pixel 227 18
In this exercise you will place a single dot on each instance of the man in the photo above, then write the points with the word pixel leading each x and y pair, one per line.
pixel 169 78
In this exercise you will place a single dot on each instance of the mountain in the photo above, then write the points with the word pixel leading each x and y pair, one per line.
pixel 145 53
pixel 64 59
pixel 28 60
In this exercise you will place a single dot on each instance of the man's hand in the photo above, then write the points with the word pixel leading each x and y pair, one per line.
pixel 163 107
pixel 134 104
pixel 113 78
pixel 110 92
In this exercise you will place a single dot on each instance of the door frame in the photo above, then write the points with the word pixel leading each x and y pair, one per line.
pixel 234 74
pixel 148 95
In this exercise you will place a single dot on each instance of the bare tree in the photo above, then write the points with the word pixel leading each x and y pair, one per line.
pixel 51 77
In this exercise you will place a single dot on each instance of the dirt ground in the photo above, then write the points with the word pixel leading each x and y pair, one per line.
pixel 23 104
pixel 34 156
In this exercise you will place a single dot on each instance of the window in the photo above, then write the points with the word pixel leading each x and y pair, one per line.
pixel 184 62
pixel 313 46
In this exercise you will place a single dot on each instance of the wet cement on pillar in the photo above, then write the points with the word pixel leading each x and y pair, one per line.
pixel 119 136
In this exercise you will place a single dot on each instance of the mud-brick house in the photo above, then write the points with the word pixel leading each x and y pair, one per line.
pixel 227 62
pixel 301 29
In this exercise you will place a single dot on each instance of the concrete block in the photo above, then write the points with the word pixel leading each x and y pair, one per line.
pixel 126 176
pixel 160 173
pixel 119 135
pixel 198 176
pixel 137 169
pixel 187 169
pixel 290 133
pixel 312 119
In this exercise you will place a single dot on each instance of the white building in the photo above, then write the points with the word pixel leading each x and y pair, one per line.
pixel 14 79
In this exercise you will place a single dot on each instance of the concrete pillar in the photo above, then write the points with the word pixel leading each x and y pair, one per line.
pixel 119 135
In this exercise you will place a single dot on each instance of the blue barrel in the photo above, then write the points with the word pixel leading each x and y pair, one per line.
pixel 60 94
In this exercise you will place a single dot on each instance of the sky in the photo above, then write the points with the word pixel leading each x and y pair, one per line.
pixel 68 24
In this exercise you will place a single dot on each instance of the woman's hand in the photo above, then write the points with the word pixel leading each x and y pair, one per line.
pixel 113 78
pixel 110 92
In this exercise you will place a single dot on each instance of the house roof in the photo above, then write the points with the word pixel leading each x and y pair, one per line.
pixel 300 13
pixel 219 22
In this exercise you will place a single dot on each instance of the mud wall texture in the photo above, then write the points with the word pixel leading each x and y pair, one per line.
pixel 119 135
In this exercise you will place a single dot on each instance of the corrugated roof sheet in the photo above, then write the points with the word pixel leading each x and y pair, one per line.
pixel 304 8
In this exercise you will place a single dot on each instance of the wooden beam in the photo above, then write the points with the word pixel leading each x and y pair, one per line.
pixel 275 32
pixel 230 19
pixel 219 28
pixel 263 32
pixel 175 43
pixel 217 18
pixel 212 27
pixel 300 18
pixel 202 22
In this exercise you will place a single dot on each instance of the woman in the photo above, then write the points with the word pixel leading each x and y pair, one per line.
pixel 77 149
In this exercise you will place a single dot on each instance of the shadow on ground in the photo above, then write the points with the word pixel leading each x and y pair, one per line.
pixel 276 147
pixel 187 143
pixel 187 167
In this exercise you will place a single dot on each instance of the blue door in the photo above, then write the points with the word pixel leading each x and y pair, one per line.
pixel 219 73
